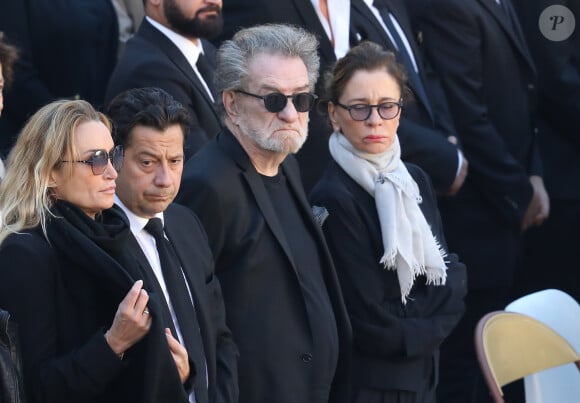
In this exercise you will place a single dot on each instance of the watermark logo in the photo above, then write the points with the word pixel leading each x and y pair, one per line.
pixel 557 23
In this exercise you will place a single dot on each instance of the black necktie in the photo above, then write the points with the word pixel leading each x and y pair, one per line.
pixel 182 306
pixel 403 55
pixel 206 72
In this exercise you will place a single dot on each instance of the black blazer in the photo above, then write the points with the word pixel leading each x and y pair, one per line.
pixel 150 59
pixel 489 78
pixel 314 155
pixel 558 64
pixel 188 238
pixel 423 130
pixel 264 302
pixel 395 345
pixel 68 49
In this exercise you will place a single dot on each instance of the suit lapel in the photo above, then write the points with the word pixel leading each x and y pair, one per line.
pixel 305 208
pixel 177 233
pixel 308 15
pixel 402 16
pixel 265 205
pixel 180 237
pixel 234 150
pixel 364 21
pixel 173 53
pixel 513 31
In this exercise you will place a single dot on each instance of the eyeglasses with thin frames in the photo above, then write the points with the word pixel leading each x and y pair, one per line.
pixel 361 112
pixel 100 159
pixel 276 101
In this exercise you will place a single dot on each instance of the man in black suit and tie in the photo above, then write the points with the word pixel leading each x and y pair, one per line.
pixel 170 243
pixel 170 51
pixel 281 292
pixel 426 132
pixel 478 49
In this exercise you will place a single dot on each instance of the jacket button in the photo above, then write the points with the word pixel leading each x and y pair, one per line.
pixel 307 357
pixel 531 87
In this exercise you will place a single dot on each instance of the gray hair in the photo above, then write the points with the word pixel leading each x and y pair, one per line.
pixel 234 56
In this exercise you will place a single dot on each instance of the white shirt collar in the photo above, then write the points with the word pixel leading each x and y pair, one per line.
pixel 136 223
pixel 189 49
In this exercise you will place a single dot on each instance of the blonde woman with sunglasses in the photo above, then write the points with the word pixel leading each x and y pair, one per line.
pixel 85 329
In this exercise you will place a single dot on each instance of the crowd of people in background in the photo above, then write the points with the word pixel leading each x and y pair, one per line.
pixel 281 201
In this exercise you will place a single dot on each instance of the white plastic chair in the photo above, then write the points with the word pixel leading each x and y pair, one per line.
pixel 561 312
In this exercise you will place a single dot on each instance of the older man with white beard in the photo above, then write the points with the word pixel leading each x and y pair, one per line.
pixel 282 297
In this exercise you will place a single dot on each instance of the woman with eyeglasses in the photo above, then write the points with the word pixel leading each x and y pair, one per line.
pixel 85 329
pixel 403 290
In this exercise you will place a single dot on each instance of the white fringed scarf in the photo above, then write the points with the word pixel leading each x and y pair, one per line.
pixel 410 247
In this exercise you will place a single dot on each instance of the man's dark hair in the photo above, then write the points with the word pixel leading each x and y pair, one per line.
pixel 150 107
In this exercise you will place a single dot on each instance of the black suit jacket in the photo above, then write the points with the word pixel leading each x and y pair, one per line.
pixel 68 49
pixel 558 64
pixel 188 238
pixel 489 78
pixel 264 302
pixel 150 59
pixel 396 346
pixel 423 130
pixel 314 155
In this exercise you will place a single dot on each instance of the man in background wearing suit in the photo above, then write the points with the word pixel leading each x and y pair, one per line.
pixel 281 292
pixel 552 30
pixel 329 22
pixel 478 50
pixel 426 131
pixel 169 51
pixel 177 260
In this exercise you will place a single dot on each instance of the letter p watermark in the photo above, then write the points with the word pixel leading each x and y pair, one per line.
pixel 557 23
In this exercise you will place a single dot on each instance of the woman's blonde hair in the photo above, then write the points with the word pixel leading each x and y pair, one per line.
pixel 47 139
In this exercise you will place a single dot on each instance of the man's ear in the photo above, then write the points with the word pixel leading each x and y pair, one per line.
pixel 230 105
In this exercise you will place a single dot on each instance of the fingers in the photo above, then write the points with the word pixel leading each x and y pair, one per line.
pixel 141 303
pixel 174 344
pixel 130 323
pixel 134 295
pixel 135 302
pixel 179 354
